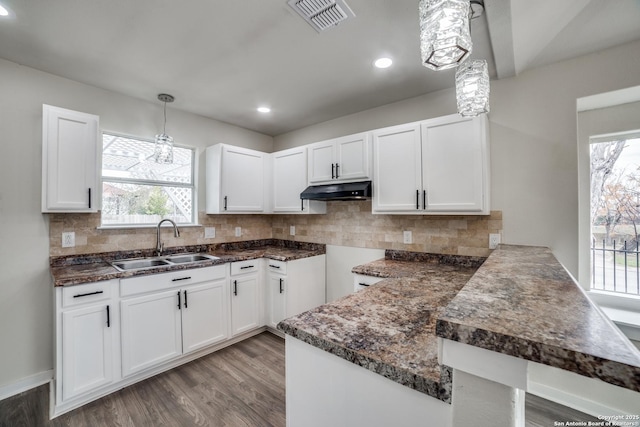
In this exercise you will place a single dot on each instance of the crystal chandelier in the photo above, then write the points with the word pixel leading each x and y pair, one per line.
pixel 472 88
pixel 445 36
pixel 163 152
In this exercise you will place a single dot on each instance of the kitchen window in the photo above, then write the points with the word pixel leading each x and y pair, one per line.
pixel 137 191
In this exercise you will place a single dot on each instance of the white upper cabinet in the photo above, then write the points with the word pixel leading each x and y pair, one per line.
pixel 238 180
pixel 289 180
pixel 343 159
pixel 438 166
pixel 69 161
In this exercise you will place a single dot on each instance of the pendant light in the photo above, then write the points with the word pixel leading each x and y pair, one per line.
pixel 445 36
pixel 164 143
pixel 472 88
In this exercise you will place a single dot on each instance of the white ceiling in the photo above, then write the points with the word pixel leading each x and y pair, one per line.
pixel 223 59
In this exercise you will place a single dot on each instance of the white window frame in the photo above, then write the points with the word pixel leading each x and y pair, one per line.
pixel 193 186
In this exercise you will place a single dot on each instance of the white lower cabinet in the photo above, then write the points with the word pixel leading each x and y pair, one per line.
pixel 246 296
pixel 174 314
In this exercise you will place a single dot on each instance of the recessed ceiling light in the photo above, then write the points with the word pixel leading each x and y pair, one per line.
pixel 264 109
pixel 3 11
pixel 383 62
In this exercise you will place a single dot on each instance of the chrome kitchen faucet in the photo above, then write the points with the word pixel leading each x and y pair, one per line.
pixel 159 244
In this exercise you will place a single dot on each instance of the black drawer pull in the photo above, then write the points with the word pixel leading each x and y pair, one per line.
pixel 108 318
pixel 86 295
pixel 180 278
pixel 363 284
pixel 274 266
pixel 246 266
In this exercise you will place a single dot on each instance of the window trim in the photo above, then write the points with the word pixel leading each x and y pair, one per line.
pixel 194 184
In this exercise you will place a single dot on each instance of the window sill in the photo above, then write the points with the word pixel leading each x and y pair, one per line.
pixel 623 310
pixel 138 226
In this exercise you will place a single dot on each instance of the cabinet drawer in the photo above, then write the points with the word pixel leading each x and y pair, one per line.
pixel 244 267
pixel 361 281
pixel 173 279
pixel 91 292
pixel 279 267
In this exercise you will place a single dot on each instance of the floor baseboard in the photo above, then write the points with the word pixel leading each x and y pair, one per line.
pixel 24 384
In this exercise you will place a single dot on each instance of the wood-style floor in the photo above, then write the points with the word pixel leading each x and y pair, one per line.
pixel 241 385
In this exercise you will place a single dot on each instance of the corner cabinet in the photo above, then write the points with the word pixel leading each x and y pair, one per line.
pixel 238 180
pixel 344 159
pixel 289 180
pixel 437 167
pixel 69 160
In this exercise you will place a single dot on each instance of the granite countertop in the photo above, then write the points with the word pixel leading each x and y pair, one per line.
pixel 78 269
pixel 389 328
pixel 523 303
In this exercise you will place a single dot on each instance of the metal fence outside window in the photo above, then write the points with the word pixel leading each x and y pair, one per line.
pixel 616 269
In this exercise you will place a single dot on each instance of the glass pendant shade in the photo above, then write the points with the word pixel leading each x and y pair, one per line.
pixel 472 88
pixel 445 36
pixel 163 152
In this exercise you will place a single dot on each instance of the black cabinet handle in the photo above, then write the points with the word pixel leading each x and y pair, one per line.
pixel 281 289
pixel 363 284
pixel 274 266
pixel 333 166
pixel 225 203
pixel 235 287
pixel 181 278
pixel 108 318
pixel 337 170
pixel 86 295
pixel 417 199
pixel 246 266
pixel 89 197
pixel 424 199
pixel 185 299
pixel 302 204
pixel 179 302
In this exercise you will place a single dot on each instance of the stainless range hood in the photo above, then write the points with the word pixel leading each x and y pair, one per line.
pixel 347 191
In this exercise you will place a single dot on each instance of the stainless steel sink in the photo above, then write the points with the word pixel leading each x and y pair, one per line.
pixel 165 261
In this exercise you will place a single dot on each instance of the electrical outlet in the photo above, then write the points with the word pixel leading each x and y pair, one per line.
pixel 407 237
pixel 292 230
pixel 238 231
pixel 68 239
pixel 209 232
pixel 494 240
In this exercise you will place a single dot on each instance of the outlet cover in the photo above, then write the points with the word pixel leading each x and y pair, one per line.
pixel 209 232
pixel 68 239
pixel 238 231
pixel 292 230
pixel 407 237
pixel 494 240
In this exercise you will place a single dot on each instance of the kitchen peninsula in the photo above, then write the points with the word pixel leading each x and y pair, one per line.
pixel 519 307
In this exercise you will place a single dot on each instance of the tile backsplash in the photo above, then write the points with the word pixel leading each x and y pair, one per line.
pixel 345 224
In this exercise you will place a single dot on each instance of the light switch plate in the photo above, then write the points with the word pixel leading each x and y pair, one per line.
pixel 68 239
pixel 238 231
pixel 407 237
pixel 292 230
pixel 209 232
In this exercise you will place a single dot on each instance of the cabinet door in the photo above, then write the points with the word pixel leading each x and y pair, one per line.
pixel 289 179
pixel 245 303
pixel 277 308
pixel 242 180
pixel 204 315
pixel 397 184
pixel 454 164
pixel 151 330
pixel 69 161
pixel 353 157
pixel 87 343
pixel 321 162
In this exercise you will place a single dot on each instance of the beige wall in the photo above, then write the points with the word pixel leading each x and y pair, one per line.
pixel 26 323
pixel 534 177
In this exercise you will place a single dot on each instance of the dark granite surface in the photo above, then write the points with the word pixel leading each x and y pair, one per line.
pixel 78 269
pixel 389 328
pixel 523 303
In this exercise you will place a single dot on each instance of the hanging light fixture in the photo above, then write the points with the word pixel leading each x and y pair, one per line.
pixel 445 36
pixel 164 143
pixel 472 88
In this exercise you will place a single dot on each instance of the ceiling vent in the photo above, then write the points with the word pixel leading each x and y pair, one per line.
pixel 322 14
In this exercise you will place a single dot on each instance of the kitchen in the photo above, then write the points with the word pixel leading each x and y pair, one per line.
pixel 534 175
